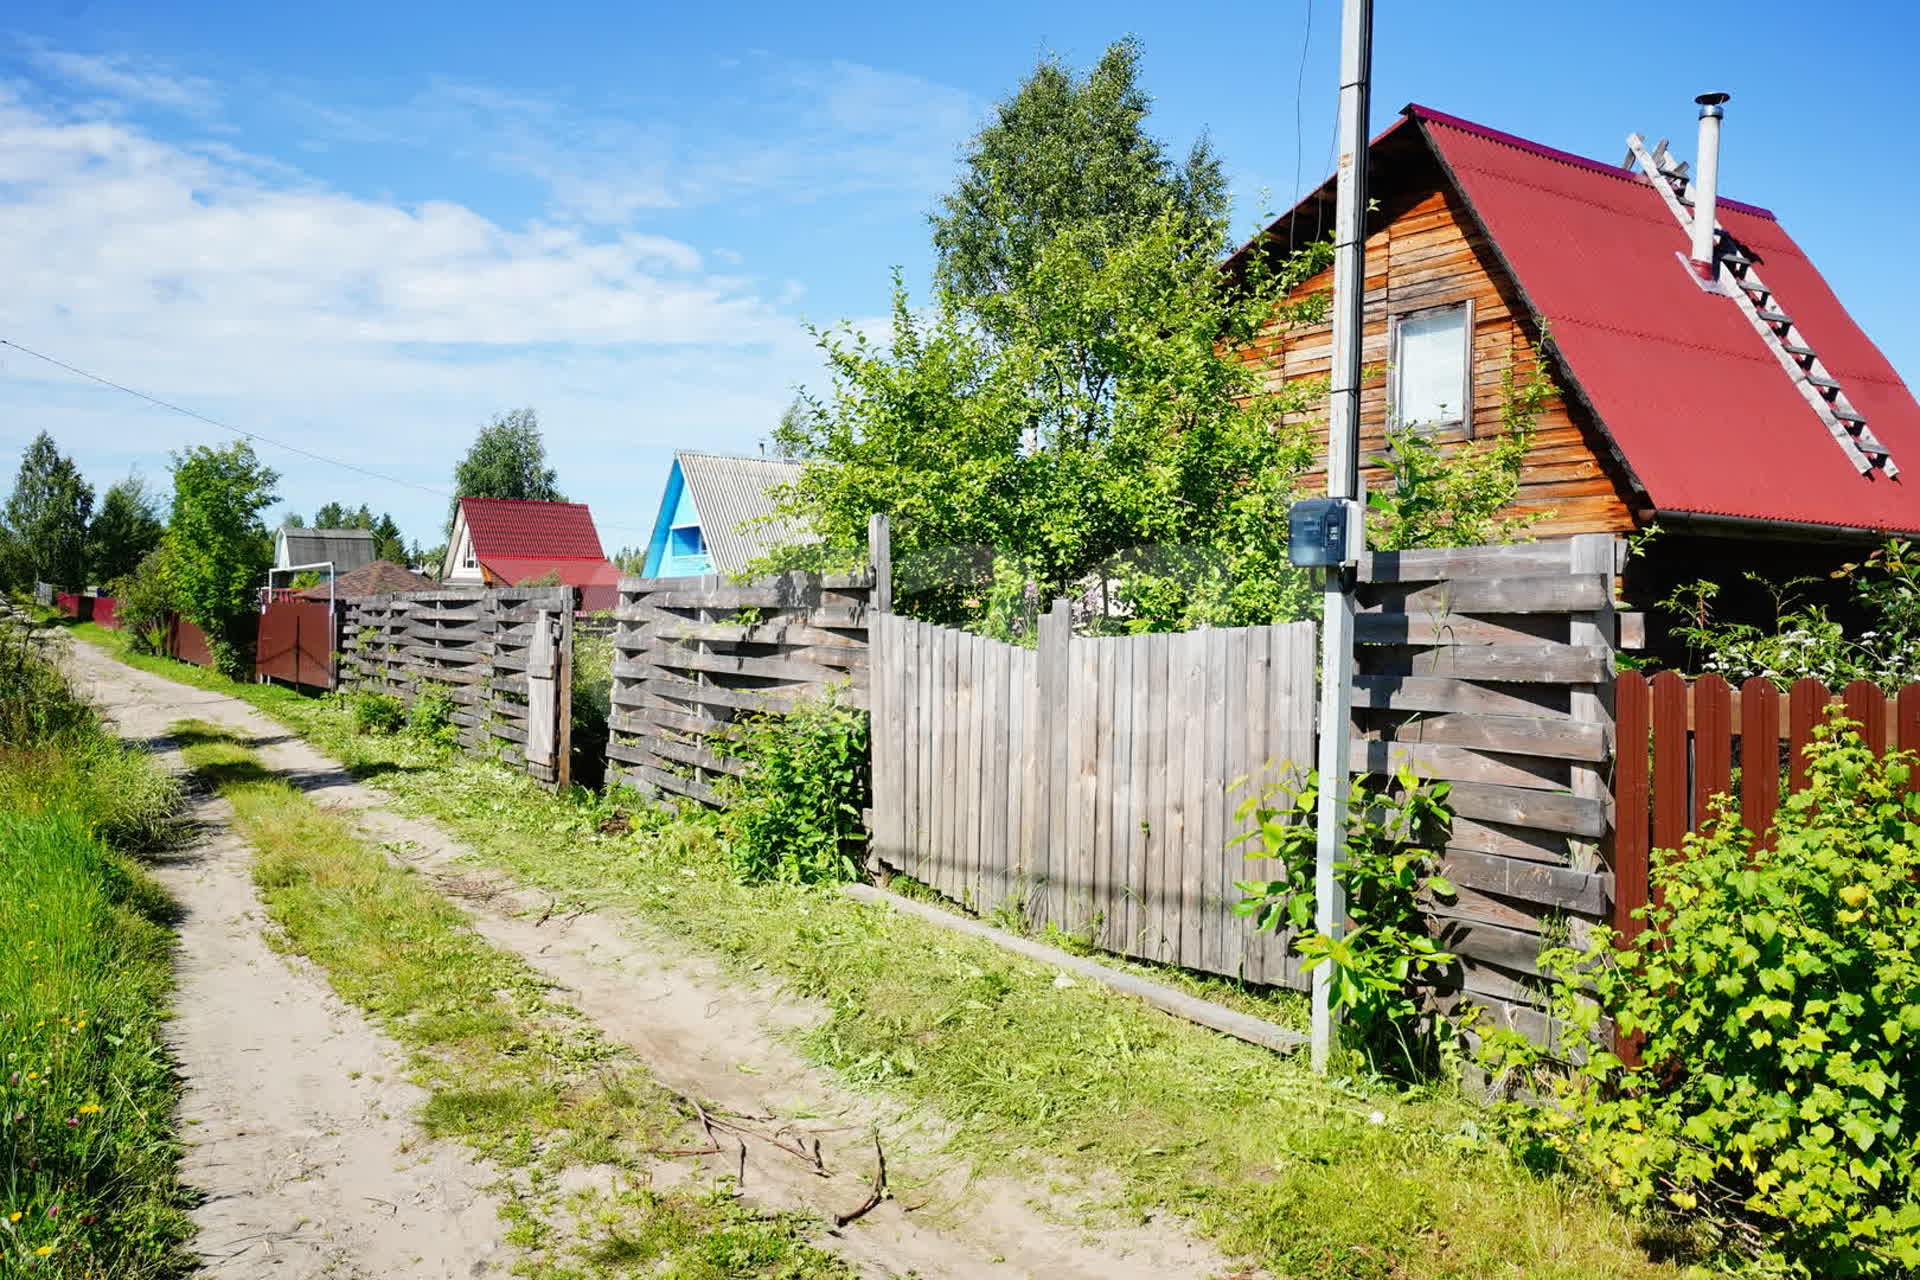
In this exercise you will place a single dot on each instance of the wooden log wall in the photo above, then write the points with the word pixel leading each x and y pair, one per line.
pixel 1087 783
pixel 473 646
pixel 1424 249
pixel 1493 668
pixel 1681 741
pixel 691 655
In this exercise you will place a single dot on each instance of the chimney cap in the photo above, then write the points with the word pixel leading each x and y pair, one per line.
pixel 1712 100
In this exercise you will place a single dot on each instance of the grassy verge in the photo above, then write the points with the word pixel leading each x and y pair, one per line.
pixel 87 1149
pixel 1339 1179
pixel 521 1079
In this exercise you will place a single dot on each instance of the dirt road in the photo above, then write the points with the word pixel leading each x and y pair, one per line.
pixel 300 1124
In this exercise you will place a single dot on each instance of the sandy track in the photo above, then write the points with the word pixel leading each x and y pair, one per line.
pixel 295 1112
pixel 702 1032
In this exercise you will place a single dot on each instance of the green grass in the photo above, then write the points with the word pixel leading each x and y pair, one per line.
pixel 87 1147
pixel 1276 1165
pixel 520 1078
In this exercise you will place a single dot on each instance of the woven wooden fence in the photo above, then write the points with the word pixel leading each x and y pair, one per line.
pixel 691 655
pixel 1086 782
pixel 1681 741
pixel 502 656
pixel 1493 668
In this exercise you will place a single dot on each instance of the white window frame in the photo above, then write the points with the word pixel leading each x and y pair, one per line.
pixel 1464 419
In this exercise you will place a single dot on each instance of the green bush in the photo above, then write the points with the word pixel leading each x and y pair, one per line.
pixel 1777 997
pixel 431 717
pixel 378 713
pixel 1395 829
pixel 795 814
pixel 145 599
pixel 592 705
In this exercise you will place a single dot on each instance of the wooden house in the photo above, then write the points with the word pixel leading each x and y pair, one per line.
pixel 505 542
pixel 715 514
pixel 1747 415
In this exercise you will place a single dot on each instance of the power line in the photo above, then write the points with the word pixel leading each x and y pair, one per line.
pixel 254 435
pixel 215 422
pixel 1299 98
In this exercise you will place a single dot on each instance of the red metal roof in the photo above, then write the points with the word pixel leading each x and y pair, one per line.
pixel 550 530
pixel 1702 412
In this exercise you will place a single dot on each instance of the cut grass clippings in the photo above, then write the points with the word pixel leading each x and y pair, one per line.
pixel 521 1079
pixel 1304 1176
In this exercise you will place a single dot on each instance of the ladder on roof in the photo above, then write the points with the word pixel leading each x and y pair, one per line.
pixel 1823 392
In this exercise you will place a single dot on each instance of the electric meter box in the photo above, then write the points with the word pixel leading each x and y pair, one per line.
pixel 1325 533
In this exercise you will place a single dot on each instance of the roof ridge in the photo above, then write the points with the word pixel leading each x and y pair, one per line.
pixel 529 502
pixel 1418 112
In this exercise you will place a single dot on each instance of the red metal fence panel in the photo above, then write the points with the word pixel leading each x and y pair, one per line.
pixel 187 642
pixel 106 612
pixel 296 642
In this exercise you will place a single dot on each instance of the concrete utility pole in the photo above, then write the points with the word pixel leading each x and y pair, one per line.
pixel 1343 481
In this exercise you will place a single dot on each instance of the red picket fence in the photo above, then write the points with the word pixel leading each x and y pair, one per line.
pixel 1678 743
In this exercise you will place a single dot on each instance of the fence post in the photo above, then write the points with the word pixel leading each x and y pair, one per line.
pixel 1050 736
pixel 1593 703
pixel 880 556
pixel 563 697
pixel 882 753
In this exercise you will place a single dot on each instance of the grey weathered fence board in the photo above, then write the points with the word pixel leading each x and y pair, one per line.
pixel 472 647
pixel 1088 778
pixel 1546 593
pixel 1504 657
pixel 715 650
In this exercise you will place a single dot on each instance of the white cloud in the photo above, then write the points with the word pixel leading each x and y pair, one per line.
pixel 805 131
pixel 126 79
pixel 367 330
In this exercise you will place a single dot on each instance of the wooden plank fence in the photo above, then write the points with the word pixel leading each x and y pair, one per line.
pixel 691 655
pixel 1086 782
pixel 1492 668
pixel 1681 742
pixel 501 655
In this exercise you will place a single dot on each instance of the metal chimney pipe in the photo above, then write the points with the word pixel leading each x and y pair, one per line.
pixel 1706 184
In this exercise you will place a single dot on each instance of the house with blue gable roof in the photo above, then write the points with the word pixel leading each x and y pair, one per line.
pixel 713 515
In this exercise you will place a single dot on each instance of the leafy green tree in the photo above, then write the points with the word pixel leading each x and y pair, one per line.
pixel 333 515
pixel 508 459
pixel 47 515
pixel 125 528
pixel 145 599
pixel 220 549
pixel 1071 152
pixel 1070 415
pixel 387 542
pixel 294 520
pixel 1010 479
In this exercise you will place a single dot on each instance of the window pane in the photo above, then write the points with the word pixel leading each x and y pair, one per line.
pixel 1431 367
pixel 687 540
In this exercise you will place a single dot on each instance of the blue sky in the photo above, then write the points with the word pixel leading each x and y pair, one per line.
pixel 362 228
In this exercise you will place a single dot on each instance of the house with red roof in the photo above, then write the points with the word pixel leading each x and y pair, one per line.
pixel 1733 402
pixel 504 542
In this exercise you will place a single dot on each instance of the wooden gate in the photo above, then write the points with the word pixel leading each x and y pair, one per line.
pixel 1086 782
